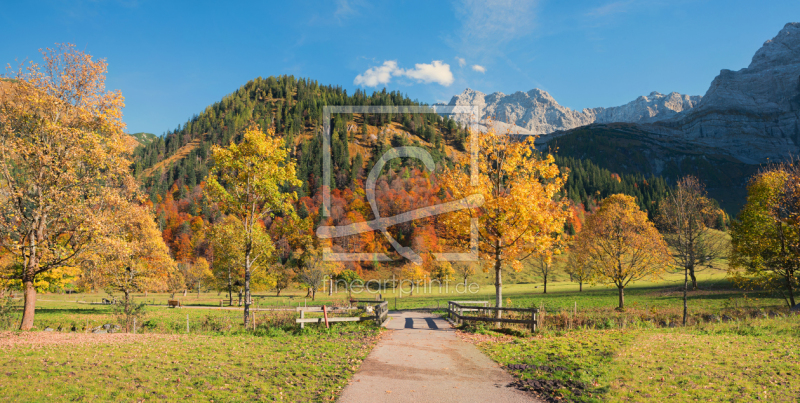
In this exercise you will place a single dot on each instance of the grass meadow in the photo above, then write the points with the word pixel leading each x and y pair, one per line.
pixel 739 345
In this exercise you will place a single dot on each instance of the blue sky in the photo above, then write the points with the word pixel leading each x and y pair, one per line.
pixel 172 59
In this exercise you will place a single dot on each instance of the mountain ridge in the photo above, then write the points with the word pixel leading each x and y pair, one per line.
pixel 537 112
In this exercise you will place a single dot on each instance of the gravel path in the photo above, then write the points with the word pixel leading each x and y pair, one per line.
pixel 422 360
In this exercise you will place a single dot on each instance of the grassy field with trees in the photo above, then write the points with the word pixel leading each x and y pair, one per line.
pixel 646 290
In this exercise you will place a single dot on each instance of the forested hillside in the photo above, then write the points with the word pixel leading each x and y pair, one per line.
pixel 293 108
pixel 624 148
pixel 173 167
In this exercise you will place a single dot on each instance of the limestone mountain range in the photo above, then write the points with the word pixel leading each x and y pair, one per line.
pixel 537 112
pixel 752 114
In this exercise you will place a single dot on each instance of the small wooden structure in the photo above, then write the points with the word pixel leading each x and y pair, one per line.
pixel 174 303
pixel 380 309
pixel 456 310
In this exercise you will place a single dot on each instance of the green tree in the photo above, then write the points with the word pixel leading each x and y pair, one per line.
pixel 761 254
pixel 442 271
pixel 347 278
pixel 249 180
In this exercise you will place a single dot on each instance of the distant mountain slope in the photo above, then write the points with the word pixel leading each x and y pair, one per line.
pixel 651 108
pixel 753 113
pixel 536 112
pixel 627 148
pixel 144 138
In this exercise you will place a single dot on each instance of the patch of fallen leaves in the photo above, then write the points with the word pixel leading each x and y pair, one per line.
pixel 41 339
pixel 476 338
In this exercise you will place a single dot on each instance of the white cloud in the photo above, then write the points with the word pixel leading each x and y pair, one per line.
pixel 478 68
pixel 487 25
pixel 435 72
pixel 461 61
pixel 610 9
pixel 375 76
pixel 346 9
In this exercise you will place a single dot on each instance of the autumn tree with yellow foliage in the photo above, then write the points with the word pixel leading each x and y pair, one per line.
pixel 621 244
pixel 519 215
pixel 128 255
pixel 577 265
pixel 228 267
pixel 765 238
pixel 248 181
pixel 62 152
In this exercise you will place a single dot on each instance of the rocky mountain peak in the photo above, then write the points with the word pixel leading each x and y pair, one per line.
pixel 537 112
pixel 783 49
pixel 752 113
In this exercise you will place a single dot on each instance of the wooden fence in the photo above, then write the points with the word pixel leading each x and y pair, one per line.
pixel 456 310
pixel 380 310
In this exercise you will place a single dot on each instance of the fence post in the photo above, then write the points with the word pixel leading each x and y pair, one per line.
pixel 187 323
pixel 134 325
pixel 302 316
pixel 533 320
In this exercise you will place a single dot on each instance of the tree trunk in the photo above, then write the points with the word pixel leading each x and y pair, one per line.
pixel 791 289
pixel 230 288
pixel 247 294
pixel 694 279
pixel 621 297
pixel 127 310
pixel 330 287
pixel 313 293
pixel 685 289
pixel 498 287
pixel 278 292
pixel 184 293
pixel 30 305
pixel 29 309
pixel 580 286
pixel 545 284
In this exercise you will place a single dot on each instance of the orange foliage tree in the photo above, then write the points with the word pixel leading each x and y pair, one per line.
pixel 621 244
pixel 519 215
pixel 129 255
pixel 62 151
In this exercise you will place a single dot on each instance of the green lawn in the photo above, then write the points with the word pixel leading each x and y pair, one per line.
pixel 312 366
pixel 585 350
pixel 740 361
pixel 659 302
